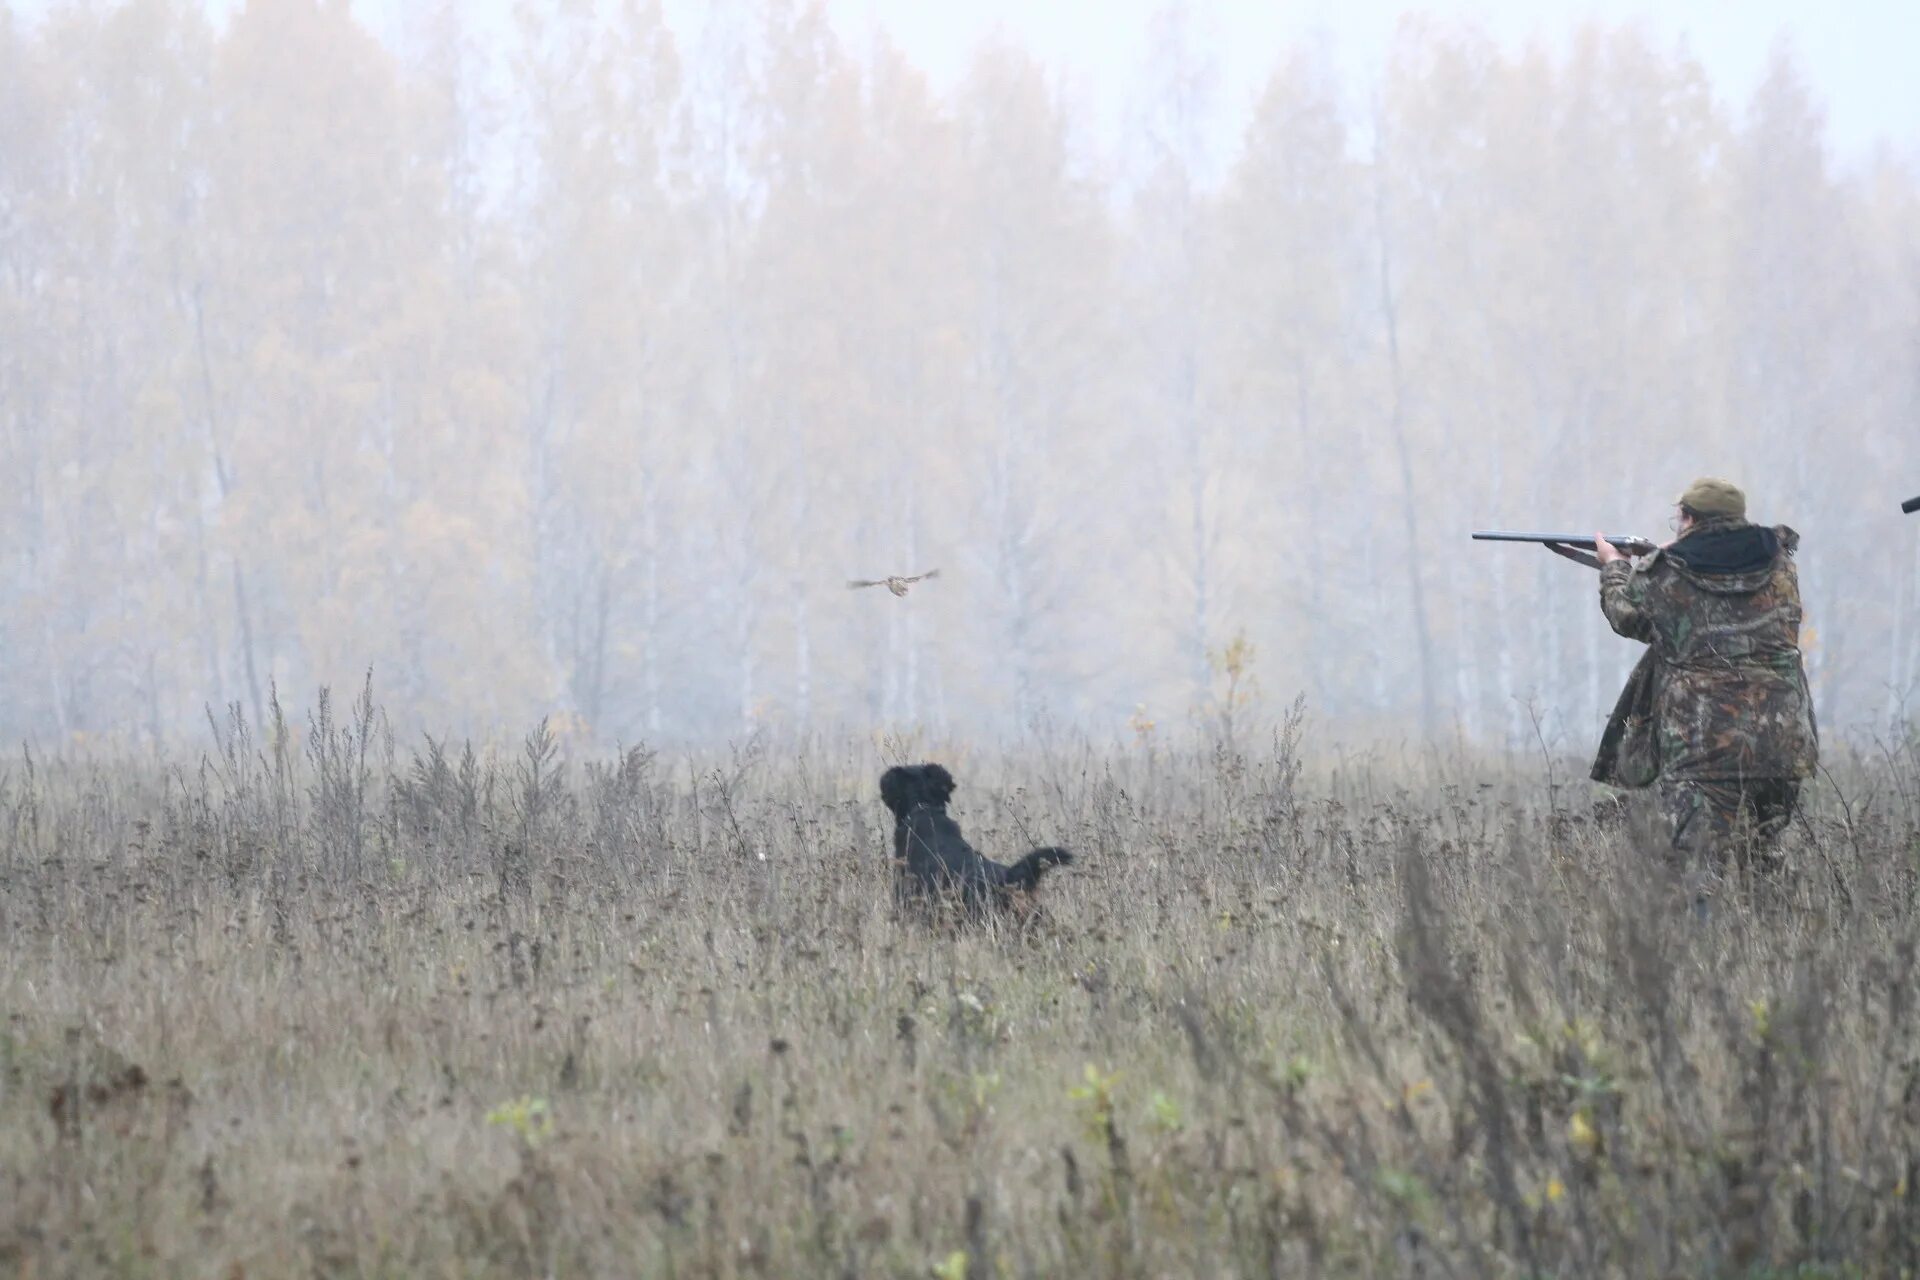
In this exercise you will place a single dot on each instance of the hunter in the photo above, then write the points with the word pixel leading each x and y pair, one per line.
pixel 1717 716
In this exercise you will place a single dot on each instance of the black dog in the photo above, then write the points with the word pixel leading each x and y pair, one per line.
pixel 936 858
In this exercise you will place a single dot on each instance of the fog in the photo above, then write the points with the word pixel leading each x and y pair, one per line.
pixel 575 378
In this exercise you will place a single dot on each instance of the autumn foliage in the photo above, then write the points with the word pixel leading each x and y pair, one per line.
pixel 568 369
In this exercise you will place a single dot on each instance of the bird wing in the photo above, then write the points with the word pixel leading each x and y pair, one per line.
pixel 919 577
pixel 855 584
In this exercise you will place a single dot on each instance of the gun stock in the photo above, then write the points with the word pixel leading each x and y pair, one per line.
pixel 1910 506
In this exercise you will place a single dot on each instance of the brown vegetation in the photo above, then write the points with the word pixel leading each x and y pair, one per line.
pixel 318 1006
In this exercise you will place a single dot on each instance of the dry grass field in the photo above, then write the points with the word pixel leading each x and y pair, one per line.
pixel 319 1006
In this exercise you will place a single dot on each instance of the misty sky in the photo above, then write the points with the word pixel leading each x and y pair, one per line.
pixel 1858 54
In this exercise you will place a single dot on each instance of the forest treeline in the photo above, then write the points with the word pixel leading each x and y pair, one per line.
pixel 575 378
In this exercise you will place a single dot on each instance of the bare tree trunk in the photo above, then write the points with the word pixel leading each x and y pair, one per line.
pixel 1397 421
pixel 153 700
pixel 543 551
pixel 802 487
pixel 224 480
pixel 650 606
pixel 209 626
pixel 1315 642
pixel 743 628
pixel 1012 557
pixel 911 674
pixel 1596 708
pixel 802 656
pixel 1466 691
pixel 891 666
pixel 245 615
pixel 596 683
pixel 62 717
pixel 1900 666
pixel 941 721
pixel 1377 668
pixel 1200 638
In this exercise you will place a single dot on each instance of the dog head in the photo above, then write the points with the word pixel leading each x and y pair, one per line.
pixel 906 785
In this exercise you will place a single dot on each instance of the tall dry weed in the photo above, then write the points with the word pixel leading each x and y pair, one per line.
pixel 317 1004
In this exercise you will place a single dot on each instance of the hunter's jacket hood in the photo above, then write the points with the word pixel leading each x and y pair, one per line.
pixel 1729 557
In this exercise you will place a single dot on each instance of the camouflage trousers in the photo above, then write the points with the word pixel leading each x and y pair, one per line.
pixel 1709 823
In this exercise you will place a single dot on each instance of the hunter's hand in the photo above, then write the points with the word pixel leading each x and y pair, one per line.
pixel 1605 552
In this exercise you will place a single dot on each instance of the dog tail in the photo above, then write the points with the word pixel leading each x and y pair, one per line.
pixel 1026 873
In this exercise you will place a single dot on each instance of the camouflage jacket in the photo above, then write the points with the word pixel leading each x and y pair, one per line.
pixel 1722 684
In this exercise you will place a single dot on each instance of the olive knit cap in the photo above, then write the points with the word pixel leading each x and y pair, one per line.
pixel 1711 496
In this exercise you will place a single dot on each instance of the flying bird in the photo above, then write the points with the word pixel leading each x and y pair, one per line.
pixel 897 584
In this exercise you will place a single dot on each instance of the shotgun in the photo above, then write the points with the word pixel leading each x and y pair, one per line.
pixel 1573 546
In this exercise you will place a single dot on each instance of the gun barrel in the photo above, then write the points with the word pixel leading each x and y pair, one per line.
pixel 1626 540
pixel 1910 506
